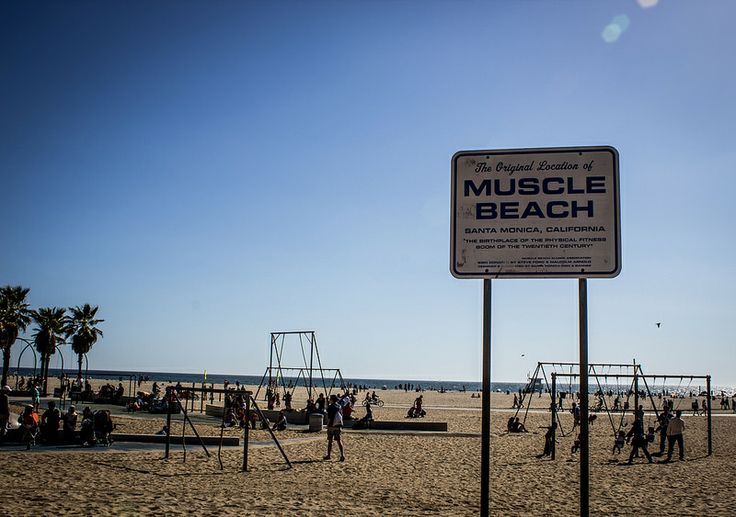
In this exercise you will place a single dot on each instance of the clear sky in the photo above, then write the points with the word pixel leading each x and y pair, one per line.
pixel 209 172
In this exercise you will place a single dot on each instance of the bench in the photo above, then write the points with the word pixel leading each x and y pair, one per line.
pixel 296 417
pixel 404 425
pixel 175 439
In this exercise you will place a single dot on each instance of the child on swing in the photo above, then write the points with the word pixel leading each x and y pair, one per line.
pixel 618 442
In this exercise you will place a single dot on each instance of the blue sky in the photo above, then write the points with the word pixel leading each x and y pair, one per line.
pixel 209 172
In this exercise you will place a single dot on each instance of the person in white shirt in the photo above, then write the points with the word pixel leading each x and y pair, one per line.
pixel 674 434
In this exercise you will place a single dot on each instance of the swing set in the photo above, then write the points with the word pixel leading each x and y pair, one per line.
pixel 634 389
pixel 282 377
pixel 174 401
pixel 546 371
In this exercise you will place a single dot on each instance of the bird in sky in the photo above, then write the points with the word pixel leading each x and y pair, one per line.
pixel 658 324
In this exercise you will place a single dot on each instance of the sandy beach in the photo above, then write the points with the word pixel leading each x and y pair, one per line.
pixel 384 473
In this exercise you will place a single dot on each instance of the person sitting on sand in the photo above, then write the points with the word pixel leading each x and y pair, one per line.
pixel 549 438
pixel 119 392
pixel 367 420
pixel 321 403
pixel 50 423
pixel 347 409
pixel 418 403
pixel 70 424
pixel 416 410
pixel 510 424
pixel 280 424
pixel 518 427
pixel 87 428
pixel 311 407
pixel 230 418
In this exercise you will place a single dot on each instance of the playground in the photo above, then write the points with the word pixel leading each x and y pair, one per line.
pixel 406 473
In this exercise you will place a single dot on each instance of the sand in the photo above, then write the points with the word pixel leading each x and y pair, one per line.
pixel 384 474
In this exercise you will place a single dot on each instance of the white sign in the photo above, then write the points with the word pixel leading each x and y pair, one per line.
pixel 531 213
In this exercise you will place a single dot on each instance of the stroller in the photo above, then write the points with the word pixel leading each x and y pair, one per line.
pixel 103 427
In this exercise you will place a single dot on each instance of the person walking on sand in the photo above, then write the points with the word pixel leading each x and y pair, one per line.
pixel 695 407
pixel 674 434
pixel 575 415
pixel 334 426
pixel 638 441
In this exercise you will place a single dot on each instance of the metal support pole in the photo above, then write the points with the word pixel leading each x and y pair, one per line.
pixel 584 442
pixel 245 433
pixel 710 423
pixel 485 443
pixel 636 394
pixel 311 361
pixel 553 406
pixel 270 361
pixel 270 431
pixel 168 422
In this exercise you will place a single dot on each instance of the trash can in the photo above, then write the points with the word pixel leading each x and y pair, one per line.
pixel 315 422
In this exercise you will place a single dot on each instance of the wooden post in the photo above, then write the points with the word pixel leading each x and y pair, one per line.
pixel 168 420
pixel 245 433
pixel 710 423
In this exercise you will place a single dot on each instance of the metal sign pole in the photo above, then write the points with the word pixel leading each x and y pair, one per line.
pixel 553 408
pixel 584 442
pixel 485 443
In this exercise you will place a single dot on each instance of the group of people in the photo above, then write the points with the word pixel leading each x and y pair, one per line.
pixel 670 428
pixel 55 427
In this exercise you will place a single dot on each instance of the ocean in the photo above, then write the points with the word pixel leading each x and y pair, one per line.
pixel 215 378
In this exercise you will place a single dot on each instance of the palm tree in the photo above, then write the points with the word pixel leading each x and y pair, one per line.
pixel 15 316
pixel 83 329
pixel 51 325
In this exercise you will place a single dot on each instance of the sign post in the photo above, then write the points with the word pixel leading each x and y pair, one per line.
pixel 535 213
pixel 584 423
pixel 485 432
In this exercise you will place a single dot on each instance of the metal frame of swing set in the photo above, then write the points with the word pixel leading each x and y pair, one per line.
pixel 173 398
pixel 306 372
pixel 533 385
pixel 634 388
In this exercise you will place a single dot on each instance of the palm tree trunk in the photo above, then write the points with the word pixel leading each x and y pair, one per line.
pixel 79 373
pixel 46 375
pixel 40 374
pixel 6 365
